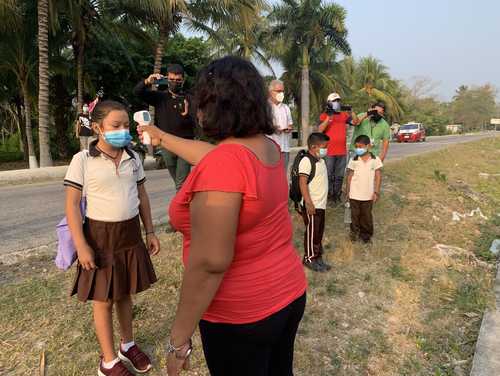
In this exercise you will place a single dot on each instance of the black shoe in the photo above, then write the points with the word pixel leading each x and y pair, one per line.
pixel 314 266
pixel 322 263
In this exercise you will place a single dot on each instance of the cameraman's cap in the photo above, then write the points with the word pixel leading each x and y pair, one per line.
pixel 333 97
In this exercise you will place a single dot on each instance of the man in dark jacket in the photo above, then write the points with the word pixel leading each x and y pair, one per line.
pixel 172 114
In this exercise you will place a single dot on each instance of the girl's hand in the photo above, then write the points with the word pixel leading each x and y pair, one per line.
pixel 154 132
pixel 176 365
pixel 86 258
pixel 153 244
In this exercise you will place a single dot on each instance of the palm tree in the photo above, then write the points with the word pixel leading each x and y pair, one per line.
pixel 43 86
pixel 199 15
pixel 324 77
pixel 245 35
pixel 17 57
pixel 304 26
pixel 374 80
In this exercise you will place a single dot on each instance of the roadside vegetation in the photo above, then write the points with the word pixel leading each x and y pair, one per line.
pixel 410 304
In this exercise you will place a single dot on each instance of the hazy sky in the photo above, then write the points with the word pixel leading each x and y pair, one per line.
pixel 452 42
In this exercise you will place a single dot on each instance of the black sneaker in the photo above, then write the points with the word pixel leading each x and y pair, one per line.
pixel 315 266
pixel 322 263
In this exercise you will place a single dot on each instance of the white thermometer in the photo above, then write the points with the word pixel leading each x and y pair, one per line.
pixel 143 118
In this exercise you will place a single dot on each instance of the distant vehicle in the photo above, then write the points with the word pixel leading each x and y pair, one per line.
pixel 411 132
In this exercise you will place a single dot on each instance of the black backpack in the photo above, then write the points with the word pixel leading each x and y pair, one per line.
pixel 294 192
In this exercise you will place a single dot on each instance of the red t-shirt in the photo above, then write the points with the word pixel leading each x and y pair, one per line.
pixel 266 273
pixel 336 130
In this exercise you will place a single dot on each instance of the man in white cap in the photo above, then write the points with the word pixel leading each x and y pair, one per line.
pixel 282 119
pixel 334 123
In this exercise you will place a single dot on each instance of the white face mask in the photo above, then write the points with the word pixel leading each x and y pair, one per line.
pixel 280 97
pixel 323 152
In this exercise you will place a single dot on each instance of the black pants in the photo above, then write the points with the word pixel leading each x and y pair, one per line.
pixel 313 235
pixel 361 220
pixel 263 348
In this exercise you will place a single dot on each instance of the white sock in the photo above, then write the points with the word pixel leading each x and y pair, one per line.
pixel 109 365
pixel 126 346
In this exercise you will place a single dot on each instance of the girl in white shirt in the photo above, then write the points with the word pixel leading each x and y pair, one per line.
pixel 113 260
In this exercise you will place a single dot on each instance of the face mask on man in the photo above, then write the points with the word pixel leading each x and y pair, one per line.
pixel 280 97
pixel 119 138
pixel 85 109
pixel 335 106
pixel 377 117
pixel 175 86
pixel 323 152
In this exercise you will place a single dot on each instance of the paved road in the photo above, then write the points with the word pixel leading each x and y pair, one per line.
pixel 29 213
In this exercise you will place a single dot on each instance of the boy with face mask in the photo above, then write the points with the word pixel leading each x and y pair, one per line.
pixel 315 196
pixel 363 188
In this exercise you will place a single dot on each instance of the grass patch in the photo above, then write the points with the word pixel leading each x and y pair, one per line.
pixel 397 307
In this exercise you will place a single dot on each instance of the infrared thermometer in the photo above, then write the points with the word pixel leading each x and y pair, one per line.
pixel 143 118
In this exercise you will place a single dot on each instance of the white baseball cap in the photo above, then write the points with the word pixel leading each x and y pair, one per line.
pixel 333 97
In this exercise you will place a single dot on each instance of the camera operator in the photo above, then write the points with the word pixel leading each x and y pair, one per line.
pixel 334 122
pixel 373 125
pixel 173 114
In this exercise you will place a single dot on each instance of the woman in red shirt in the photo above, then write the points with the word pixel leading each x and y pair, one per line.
pixel 243 284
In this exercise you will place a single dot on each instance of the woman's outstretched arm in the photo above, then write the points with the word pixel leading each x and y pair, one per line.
pixel 191 151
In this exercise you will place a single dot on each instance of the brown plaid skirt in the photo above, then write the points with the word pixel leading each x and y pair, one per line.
pixel 123 263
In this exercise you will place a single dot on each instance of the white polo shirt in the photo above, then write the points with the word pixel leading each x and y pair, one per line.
pixel 282 119
pixel 112 194
pixel 318 187
pixel 363 178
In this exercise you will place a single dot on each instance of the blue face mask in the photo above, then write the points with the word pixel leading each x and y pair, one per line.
pixel 323 152
pixel 119 138
pixel 360 151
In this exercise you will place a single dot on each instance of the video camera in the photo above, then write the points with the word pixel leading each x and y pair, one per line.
pixel 330 110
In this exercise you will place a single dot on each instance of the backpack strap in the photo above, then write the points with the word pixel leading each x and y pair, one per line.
pixel 313 162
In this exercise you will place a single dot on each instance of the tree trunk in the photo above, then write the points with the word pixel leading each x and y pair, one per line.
pixel 62 116
pixel 43 83
pixel 20 128
pixel 160 49
pixel 79 76
pixel 29 134
pixel 305 97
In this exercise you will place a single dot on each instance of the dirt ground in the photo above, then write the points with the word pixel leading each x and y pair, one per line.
pixel 409 304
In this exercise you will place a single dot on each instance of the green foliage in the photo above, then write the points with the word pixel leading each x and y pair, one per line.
pixel 10 156
pixel 11 144
pixel 440 176
pixel 371 81
pixel 473 107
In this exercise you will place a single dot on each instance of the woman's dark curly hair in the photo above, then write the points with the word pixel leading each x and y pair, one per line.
pixel 232 97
